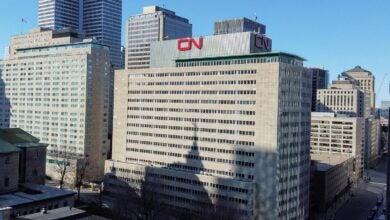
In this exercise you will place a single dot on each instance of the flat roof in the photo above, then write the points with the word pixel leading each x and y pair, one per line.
pixel 63 212
pixel 324 162
pixel 250 55
pixel 31 193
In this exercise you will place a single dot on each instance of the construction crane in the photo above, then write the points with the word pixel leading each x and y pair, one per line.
pixel 380 86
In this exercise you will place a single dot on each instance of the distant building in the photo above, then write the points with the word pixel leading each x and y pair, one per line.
pixel 99 19
pixel 342 97
pixel 238 25
pixel 63 213
pixel 385 104
pixel 372 142
pixel 154 24
pixel 339 135
pixel 24 159
pixel 320 79
pixel 32 198
pixel 60 94
pixel 366 82
pixel 332 177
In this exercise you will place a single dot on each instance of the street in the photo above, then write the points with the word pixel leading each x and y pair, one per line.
pixel 365 196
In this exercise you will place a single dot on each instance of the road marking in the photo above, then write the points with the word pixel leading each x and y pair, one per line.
pixel 377 183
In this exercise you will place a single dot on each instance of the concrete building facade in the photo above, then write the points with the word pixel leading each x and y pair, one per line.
pixel 56 88
pixel 208 127
pixel 343 97
pixel 154 24
pixel 238 25
pixel 339 135
pixel 372 141
pixel 333 176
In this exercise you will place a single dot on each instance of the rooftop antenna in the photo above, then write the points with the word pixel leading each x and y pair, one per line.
pixel 254 24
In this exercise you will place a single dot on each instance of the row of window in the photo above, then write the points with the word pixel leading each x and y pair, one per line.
pixel 193 92
pixel 183 74
pixel 194 101
pixel 192 147
pixel 191 138
pixel 193 120
pixel 189 110
pixel 182 128
pixel 194 83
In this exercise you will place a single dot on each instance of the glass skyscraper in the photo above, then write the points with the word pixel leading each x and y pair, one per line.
pixel 100 19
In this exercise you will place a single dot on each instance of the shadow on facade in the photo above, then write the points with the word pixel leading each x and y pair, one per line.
pixel 5 108
pixel 188 191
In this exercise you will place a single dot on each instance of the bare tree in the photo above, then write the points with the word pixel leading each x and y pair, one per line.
pixel 81 168
pixel 63 165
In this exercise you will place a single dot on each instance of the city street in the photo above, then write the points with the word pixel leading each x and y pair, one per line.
pixel 365 196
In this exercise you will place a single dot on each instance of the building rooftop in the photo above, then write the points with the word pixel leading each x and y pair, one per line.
pixel 60 213
pixel 324 162
pixel 250 55
pixel 6 147
pixel 30 193
pixel 17 136
pixel 357 69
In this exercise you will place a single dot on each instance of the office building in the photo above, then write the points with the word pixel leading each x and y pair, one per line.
pixel 332 177
pixel 339 135
pixel 366 82
pixel 98 19
pixel 55 87
pixel 372 142
pixel 342 97
pixel 238 25
pixel 57 14
pixel 216 133
pixel 154 24
pixel 320 79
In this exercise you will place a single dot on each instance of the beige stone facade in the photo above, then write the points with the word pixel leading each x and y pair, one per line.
pixel 342 97
pixel 339 136
pixel 56 88
pixel 217 133
pixel 366 82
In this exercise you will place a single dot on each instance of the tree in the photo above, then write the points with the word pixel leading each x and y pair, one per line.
pixel 81 168
pixel 63 165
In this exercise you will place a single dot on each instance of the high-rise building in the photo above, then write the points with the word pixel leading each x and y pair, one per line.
pixel 366 82
pixel 100 19
pixel 238 25
pixel 320 80
pixel 57 14
pixel 343 97
pixel 339 135
pixel 216 133
pixel 56 88
pixel 154 24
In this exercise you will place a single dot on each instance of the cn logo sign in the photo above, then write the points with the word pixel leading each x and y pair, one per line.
pixel 185 44
pixel 263 42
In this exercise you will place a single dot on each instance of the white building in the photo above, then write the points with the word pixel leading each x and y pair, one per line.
pixel 339 135
pixel 154 24
pixel 55 86
pixel 218 133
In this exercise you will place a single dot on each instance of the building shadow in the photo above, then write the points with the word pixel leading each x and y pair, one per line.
pixel 5 107
pixel 190 190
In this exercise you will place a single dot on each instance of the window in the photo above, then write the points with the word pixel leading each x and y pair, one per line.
pixel 6 182
pixel 7 160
